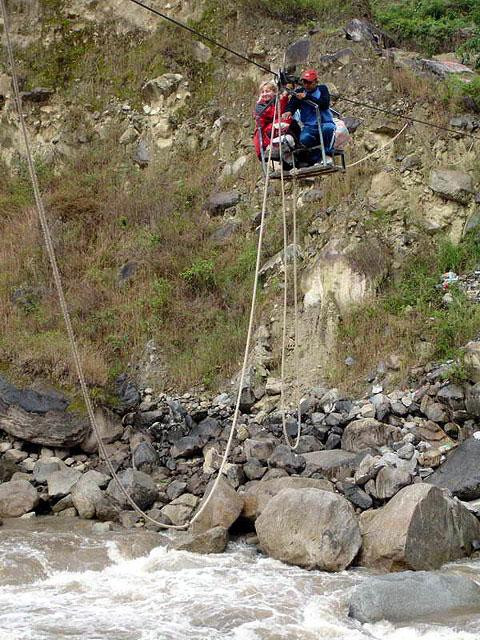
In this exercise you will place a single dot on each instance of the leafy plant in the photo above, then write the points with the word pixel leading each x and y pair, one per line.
pixel 433 25
pixel 200 275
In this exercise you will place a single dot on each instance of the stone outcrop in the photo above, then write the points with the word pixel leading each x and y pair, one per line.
pixel 368 433
pixel 17 497
pixel 349 273
pixel 407 596
pixel 53 429
pixel 39 418
pixel 310 528
pixel 420 528
pixel 110 429
pixel 452 185
pixel 461 471
pixel 139 486
pixel 221 511
pixel 259 494
pixel 211 541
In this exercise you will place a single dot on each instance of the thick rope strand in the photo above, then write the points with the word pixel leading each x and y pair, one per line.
pixel 285 306
pixel 374 153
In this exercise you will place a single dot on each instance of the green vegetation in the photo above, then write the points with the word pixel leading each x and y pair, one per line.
pixel 185 292
pixel 94 64
pixel 410 317
pixel 433 25
pixel 456 90
pixel 300 9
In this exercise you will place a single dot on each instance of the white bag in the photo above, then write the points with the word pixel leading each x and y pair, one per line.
pixel 341 137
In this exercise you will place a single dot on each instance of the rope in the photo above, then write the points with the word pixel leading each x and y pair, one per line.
pixel 182 25
pixel 67 318
pixel 409 118
pixel 374 153
pixel 285 304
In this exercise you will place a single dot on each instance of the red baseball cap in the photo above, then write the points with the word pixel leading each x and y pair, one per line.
pixel 310 74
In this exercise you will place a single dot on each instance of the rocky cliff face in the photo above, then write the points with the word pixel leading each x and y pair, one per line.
pixel 165 120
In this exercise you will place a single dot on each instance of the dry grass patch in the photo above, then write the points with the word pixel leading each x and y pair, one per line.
pixel 409 318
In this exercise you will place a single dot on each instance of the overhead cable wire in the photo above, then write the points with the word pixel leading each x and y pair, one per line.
pixel 409 118
pixel 199 34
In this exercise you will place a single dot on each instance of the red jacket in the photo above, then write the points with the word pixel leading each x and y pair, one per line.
pixel 264 121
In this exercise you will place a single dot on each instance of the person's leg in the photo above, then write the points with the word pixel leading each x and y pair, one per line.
pixel 328 129
pixel 309 138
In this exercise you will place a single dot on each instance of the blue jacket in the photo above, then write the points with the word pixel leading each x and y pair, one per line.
pixel 321 97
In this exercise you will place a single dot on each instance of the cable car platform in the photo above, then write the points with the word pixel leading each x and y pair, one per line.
pixel 334 164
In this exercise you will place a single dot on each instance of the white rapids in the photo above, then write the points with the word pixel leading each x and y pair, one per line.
pixel 58 580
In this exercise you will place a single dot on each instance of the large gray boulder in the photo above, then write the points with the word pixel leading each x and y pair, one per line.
pixel 368 433
pixel 57 429
pixel 218 202
pixel 222 510
pixel 389 481
pixel 333 463
pixel 87 493
pixel 44 468
pixel 145 457
pixel 139 487
pixel 39 417
pixel 421 528
pixel 161 87
pixel 16 498
pixel 212 541
pixel 180 510
pixel 452 185
pixel 60 483
pixel 31 400
pixel 460 473
pixel 363 31
pixel 284 458
pixel 409 595
pixel 260 449
pixel 259 494
pixel 310 528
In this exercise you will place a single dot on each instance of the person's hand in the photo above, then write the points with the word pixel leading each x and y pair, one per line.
pixel 287 114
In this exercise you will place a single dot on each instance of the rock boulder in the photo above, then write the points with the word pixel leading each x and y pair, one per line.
pixel 139 486
pixel 452 185
pixel 409 595
pixel 222 510
pixel 310 528
pixel 421 528
pixel 211 541
pixel 460 473
pixel 16 498
pixel 259 494
pixel 368 433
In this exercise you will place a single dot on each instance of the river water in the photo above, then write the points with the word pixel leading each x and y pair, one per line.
pixel 60 580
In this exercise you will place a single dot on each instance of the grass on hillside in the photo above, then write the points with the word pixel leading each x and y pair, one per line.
pixel 300 9
pixel 186 292
pixel 434 26
pixel 409 318
pixel 93 64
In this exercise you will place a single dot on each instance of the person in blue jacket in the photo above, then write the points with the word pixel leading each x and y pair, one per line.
pixel 312 92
